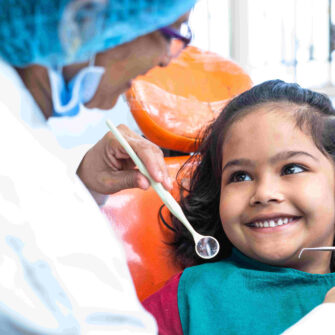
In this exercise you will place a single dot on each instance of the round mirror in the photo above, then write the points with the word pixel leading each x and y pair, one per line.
pixel 207 247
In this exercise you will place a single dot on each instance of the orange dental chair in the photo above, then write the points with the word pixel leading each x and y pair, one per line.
pixel 170 105
pixel 134 215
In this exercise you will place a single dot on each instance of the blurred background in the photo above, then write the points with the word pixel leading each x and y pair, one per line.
pixel 293 40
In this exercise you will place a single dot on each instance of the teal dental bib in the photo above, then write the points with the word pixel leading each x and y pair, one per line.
pixel 239 295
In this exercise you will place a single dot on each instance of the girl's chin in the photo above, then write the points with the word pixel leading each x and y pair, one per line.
pixel 277 257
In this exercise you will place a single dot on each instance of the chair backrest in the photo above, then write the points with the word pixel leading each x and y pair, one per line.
pixel 134 216
pixel 171 105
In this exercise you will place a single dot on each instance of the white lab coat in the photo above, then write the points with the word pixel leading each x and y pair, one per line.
pixel 62 269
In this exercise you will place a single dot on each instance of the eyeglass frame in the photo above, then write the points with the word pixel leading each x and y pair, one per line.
pixel 170 33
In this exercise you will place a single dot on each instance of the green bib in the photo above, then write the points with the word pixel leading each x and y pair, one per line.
pixel 239 295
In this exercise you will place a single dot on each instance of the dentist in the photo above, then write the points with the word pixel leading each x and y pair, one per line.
pixel 62 269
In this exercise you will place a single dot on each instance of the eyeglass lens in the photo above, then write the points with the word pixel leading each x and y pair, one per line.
pixel 176 47
pixel 177 44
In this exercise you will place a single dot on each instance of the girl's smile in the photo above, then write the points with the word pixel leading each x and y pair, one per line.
pixel 277 190
pixel 273 220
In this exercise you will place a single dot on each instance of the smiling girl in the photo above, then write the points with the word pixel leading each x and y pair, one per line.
pixel 264 186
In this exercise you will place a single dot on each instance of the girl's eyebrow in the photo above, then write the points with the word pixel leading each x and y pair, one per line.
pixel 276 158
pixel 281 156
pixel 239 162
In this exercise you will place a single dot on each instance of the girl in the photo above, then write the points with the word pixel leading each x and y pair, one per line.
pixel 264 186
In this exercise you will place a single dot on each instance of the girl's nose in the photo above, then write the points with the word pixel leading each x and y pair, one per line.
pixel 266 192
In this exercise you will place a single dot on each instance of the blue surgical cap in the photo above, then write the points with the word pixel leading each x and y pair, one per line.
pixel 61 32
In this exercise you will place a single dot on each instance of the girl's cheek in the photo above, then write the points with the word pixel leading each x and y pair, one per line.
pixel 231 206
pixel 311 196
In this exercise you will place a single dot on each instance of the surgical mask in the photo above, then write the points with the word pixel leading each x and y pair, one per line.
pixel 67 98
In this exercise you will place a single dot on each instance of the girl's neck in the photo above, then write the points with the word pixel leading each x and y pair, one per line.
pixel 314 262
pixel 319 265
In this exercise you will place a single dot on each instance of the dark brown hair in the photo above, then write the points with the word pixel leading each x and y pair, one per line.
pixel 200 203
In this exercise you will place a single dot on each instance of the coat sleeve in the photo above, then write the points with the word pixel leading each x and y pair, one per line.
pixel 319 320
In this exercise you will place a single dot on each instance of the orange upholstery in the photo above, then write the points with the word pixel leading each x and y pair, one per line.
pixel 134 215
pixel 172 104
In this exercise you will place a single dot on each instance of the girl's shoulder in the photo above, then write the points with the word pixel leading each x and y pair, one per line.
pixel 163 305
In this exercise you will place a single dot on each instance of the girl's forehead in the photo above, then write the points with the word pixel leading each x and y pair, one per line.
pixel 283 108
pixel 264 117
pixel 266 129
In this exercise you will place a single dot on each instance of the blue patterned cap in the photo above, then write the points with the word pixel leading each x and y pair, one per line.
pixel 61 32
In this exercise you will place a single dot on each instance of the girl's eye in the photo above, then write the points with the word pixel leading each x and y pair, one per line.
pixel 239 176
pixel 292 169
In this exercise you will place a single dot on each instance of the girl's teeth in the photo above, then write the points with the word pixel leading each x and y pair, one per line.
pixel 272 223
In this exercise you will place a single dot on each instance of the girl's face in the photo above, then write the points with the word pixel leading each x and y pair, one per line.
pixel 277 191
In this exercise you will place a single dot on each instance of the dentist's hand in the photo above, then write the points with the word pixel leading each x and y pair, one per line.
pixel 107 168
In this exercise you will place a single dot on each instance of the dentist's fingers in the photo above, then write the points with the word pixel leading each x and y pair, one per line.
pixel 149 153
pixel 107 168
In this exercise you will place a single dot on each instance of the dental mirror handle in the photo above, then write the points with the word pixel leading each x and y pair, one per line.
pixel 166 197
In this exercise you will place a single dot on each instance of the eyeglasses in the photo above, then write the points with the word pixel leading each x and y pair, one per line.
pixel 178 39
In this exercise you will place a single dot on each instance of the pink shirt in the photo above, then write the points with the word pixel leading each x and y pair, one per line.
pixel 163 305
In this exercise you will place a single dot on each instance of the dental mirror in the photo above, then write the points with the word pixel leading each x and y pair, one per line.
pixel 205 246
